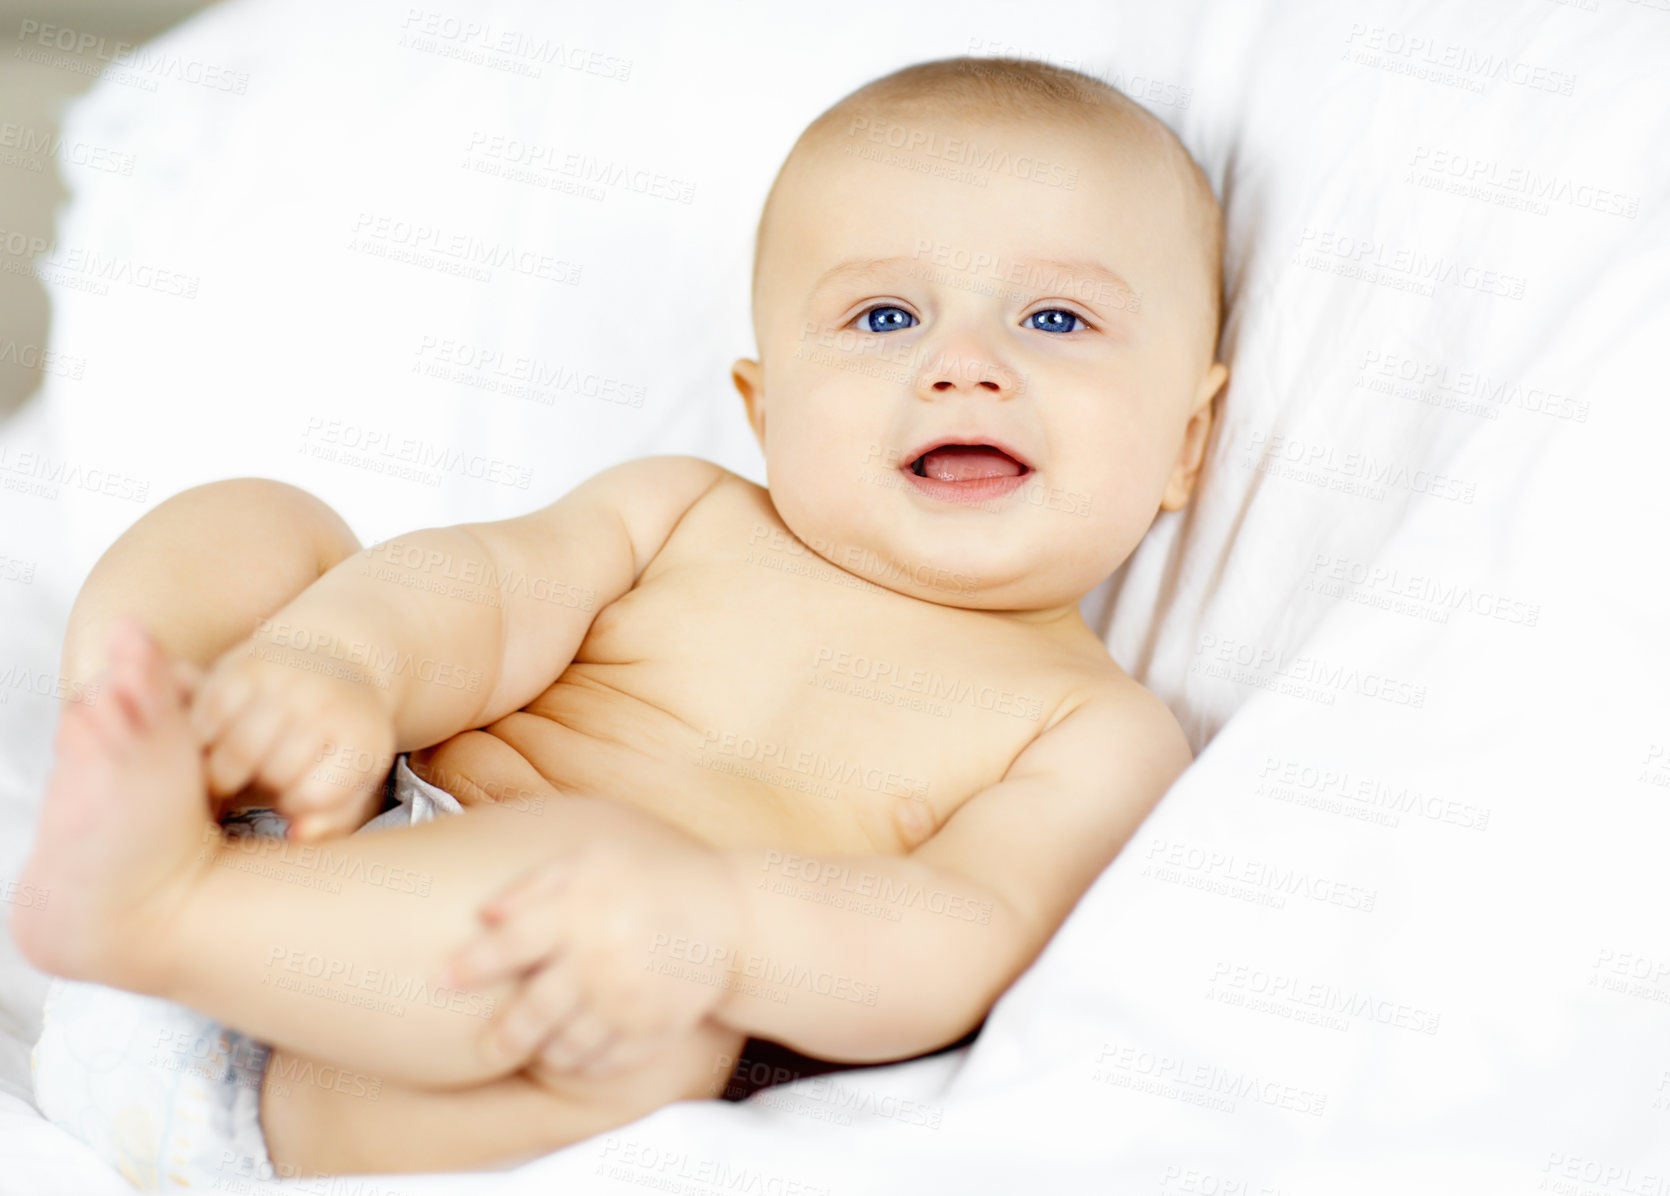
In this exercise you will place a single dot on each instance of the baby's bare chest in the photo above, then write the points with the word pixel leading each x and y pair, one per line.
pixel 753 692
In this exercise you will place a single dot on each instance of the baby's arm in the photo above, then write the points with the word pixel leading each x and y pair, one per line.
pixel 885 957
pixel 435 632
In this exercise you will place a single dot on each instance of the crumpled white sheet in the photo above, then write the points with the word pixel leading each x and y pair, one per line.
pixel 1401 927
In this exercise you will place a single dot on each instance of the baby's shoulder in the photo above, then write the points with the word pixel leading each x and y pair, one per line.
pixel 1127 713
pixel 731 498
pixel 733 517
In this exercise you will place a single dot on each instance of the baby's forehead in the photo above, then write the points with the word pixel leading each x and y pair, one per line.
pixel 976 139
pixel 887 175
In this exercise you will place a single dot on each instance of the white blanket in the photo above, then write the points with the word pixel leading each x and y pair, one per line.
pixel 1401 927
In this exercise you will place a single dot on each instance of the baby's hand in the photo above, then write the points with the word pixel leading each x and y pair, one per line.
pixel 610 935
pixel 311 730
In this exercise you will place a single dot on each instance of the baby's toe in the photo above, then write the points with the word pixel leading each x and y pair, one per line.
pixel 86 726
pixel 140 677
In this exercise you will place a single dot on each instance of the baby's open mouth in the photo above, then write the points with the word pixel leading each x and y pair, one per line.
pixel 966 463
pixel 966 473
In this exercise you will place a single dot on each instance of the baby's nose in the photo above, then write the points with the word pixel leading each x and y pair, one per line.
pixel 946 375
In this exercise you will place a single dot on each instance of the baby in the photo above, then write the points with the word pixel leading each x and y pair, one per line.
pixel 825 763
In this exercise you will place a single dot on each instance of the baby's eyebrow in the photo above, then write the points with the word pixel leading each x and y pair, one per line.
pixel 1043 273
pixel 861 267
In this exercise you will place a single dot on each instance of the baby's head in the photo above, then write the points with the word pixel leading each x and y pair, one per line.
pixel 996 254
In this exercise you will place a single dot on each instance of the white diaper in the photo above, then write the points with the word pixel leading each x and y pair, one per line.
pixel 167 1096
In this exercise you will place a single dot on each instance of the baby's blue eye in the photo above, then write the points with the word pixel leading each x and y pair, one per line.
pixel 1054 320
pixel 886 319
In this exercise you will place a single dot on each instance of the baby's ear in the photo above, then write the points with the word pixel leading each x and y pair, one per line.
pixel 1184 473
pixel 749 379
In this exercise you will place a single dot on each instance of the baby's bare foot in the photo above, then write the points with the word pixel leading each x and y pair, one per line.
pixel 124 830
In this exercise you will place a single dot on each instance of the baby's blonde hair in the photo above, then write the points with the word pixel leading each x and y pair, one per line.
pixel 1020 90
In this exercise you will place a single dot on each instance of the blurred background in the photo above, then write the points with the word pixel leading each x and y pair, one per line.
pixel 34 87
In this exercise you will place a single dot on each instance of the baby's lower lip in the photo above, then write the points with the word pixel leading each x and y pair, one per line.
pixel 974 490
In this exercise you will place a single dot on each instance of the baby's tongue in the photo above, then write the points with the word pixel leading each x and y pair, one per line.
pixel 957 463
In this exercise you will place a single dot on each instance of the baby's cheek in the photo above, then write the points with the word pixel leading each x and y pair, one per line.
pixel 1110 518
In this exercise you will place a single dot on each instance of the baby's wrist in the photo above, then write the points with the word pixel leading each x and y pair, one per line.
pixel 326 652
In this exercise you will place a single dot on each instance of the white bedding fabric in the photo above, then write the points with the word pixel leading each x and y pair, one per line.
pixel 1444 815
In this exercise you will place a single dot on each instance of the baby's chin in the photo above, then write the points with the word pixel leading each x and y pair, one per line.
pixel 1012 558
pixel 1037 589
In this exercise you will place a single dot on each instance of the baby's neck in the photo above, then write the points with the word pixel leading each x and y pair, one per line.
pixel 1065 616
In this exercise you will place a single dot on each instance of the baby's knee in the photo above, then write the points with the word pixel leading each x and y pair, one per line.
pixel 267 505
pixel 245 495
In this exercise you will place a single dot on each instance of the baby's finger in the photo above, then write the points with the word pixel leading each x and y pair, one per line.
pixel 581 1038
pixel 342 819
pixel 335 775
pixel 243 747
pixel 219 700
pixel 510 948
pixel 288 767
pixel 540 1008
pixel 187 676
pixel 626 1054
pixel 538 884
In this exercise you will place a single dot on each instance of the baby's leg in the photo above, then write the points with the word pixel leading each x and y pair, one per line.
pixel 198 571
pixel 327 951
pixel 314 1122
pixel 203 567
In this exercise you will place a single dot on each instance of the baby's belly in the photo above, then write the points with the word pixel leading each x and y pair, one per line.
pixel 576 741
